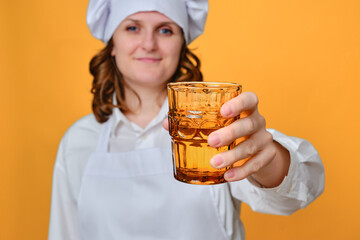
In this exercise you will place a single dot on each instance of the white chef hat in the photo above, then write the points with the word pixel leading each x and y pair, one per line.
pixel 103 16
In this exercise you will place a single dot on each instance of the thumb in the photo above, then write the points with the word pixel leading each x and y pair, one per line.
pixel 165 124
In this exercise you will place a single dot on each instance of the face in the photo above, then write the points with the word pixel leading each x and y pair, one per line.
pixel 147 47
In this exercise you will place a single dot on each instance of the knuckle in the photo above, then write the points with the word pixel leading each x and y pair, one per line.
pixel 230 133
pixel 250 148
pixel 231 156
pixel 255 99
pixel 272 152
pixel 262 120
pixel 251 125
pixel 256 166
pixel 268 137
pixel 240 103
pixel 238 129
pixel 236 154
pixel 227 135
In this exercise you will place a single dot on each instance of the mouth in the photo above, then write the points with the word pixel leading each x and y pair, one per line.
pixel 148 59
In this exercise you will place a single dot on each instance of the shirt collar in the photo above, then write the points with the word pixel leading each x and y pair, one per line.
pixel 120 118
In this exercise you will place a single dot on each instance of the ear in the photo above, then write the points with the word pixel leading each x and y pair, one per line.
pixel 112 53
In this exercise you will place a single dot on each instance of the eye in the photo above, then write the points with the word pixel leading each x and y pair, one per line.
pixel 166 31
pixel 131 28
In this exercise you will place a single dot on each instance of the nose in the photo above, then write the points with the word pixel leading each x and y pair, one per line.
pixel 149 41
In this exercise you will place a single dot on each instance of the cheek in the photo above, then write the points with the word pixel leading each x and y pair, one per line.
pixel 174 52
pixel 122 50
pixel 122 45
pixel 122 63
pixel 172 49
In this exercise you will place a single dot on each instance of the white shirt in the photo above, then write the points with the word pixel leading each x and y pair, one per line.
pixel 305 180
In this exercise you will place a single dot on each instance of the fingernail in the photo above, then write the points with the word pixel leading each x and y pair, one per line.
pixel 225 110
pixel 217 161
pixel 214 140
pixel 229 174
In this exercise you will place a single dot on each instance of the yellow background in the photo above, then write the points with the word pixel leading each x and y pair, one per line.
pixel 302 58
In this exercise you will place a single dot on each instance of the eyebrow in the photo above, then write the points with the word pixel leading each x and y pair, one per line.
pixel 161 23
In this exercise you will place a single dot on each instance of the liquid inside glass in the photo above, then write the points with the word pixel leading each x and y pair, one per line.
pixel 192 154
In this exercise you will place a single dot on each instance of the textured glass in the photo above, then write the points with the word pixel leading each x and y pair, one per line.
pixel 194 112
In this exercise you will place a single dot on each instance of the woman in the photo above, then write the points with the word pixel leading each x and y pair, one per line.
pixel 112 176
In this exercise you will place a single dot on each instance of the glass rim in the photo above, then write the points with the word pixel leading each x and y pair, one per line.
pixel 205 84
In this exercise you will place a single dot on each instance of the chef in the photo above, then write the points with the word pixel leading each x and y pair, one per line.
pixel 113 175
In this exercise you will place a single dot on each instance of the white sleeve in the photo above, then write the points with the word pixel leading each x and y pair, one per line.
pixel 303 184
pixel 63 214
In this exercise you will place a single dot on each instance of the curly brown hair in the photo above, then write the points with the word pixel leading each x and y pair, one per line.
pixel 108 79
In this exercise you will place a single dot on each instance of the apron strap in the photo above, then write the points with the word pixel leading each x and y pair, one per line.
pixel 103 142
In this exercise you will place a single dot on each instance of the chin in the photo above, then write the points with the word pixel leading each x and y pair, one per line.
pixel 151 80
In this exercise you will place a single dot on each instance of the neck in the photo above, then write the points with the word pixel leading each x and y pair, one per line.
pixel 143 111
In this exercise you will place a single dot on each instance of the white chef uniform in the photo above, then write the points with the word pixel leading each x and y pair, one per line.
pixel 101 194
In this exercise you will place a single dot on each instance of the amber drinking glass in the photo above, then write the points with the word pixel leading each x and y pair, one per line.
pixel 194 112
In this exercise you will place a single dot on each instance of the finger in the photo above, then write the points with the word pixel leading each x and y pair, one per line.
pixel 246 101
pixel 165 124
pixel 256 163
pixel 240 128
pixel 248 148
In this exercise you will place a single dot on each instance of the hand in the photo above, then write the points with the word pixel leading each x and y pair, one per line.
pixel 269 161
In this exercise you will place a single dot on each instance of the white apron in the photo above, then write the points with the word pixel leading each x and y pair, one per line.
pixel 133 195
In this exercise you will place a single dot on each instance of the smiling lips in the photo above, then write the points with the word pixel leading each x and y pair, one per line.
pixel 148 59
